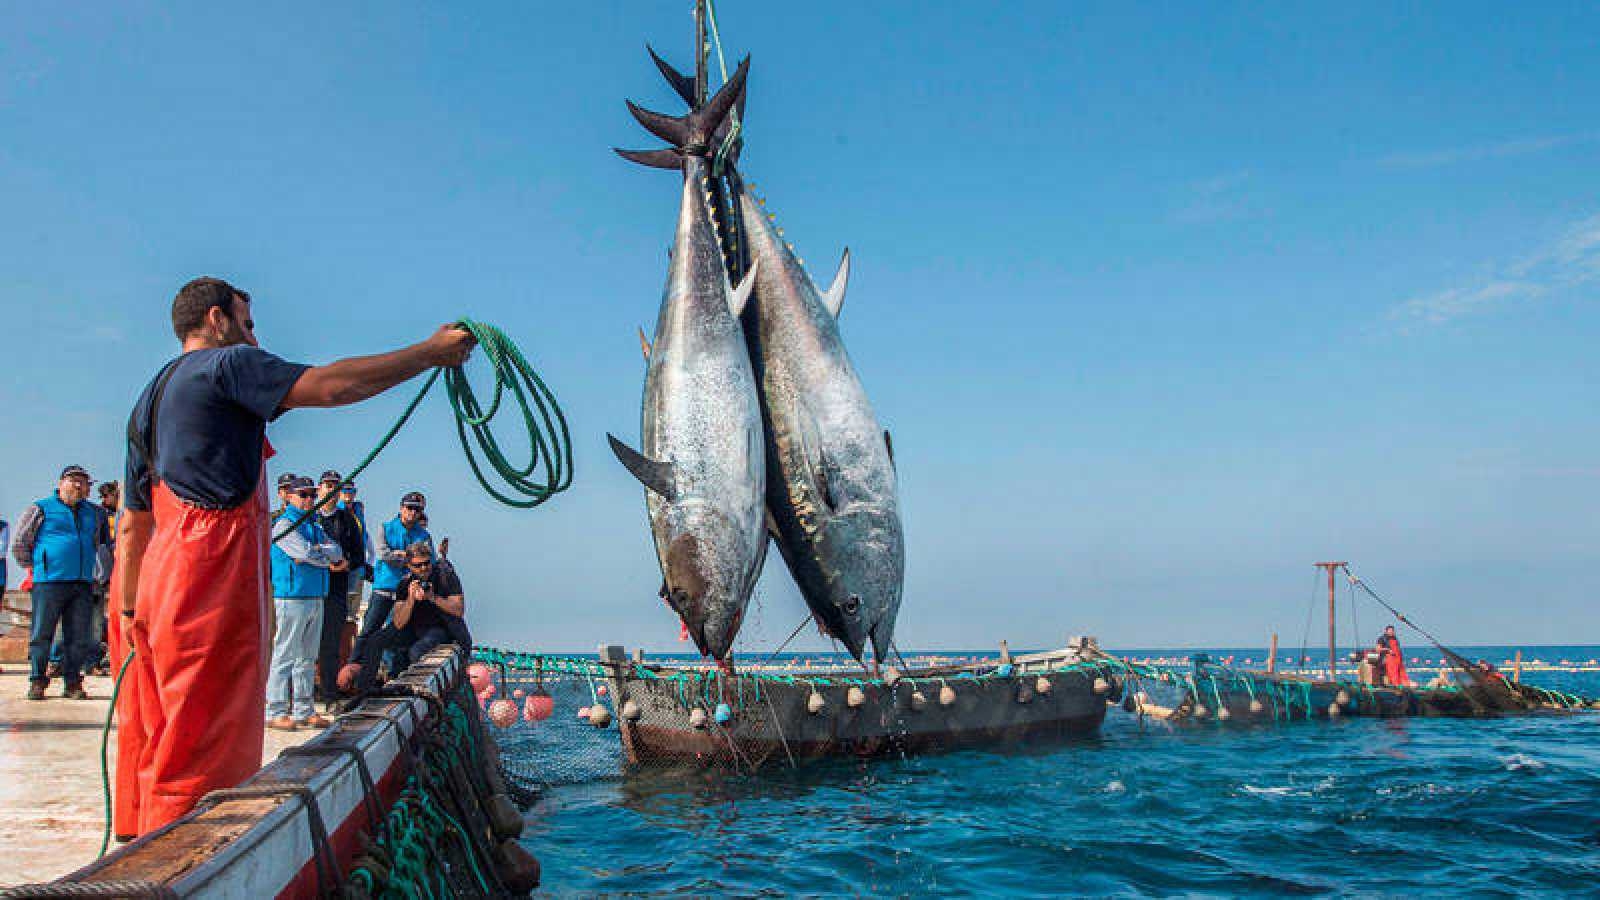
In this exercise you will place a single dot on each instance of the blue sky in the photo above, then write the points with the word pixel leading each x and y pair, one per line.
pixel 1162 304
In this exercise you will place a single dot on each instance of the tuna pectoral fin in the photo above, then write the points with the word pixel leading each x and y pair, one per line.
pixel 644 344
pixel 741 294
pixel 657 476
pixel 834 298
pixel 888 444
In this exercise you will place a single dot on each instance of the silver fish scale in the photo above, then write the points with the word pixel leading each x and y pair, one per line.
pixel 822 435
pixel 701 414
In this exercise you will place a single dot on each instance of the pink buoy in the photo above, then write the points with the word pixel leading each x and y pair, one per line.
pixel 583 713
pixel 519 693
pixel 479 675
pixel 503 713
pixel 538 707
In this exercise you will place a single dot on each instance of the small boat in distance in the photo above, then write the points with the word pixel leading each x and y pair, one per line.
pixel 1463 689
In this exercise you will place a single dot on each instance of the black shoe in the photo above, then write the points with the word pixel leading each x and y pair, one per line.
pixel 36 690
pixel 75 692
pixel 53 670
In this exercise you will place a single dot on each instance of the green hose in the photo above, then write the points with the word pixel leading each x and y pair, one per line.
pixel 105 739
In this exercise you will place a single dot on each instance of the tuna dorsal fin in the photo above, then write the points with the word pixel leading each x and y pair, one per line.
pixel 888 443
pixel 741 294
pixel 655 475
pixel 834 298
pixel 644 346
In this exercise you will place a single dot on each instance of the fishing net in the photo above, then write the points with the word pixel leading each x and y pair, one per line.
pixel 537 708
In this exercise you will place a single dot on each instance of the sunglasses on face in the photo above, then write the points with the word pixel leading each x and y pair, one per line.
pixel 308 495
pixel 420 566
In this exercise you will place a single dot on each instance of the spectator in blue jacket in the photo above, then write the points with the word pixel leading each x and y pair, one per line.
pixel 60 537
pixel 389 567
pixel 301 561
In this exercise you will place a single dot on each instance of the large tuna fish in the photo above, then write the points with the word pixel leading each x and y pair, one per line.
pixel 831 485
pixel 702 459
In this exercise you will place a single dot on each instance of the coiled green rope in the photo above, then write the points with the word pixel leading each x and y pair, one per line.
pixel 548 470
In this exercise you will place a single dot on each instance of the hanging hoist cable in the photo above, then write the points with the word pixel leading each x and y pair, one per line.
pixel 1455 658
pixel 735 126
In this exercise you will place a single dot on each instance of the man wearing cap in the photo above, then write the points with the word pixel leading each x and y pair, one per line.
pixel 340 524
pixel 391 542
pixel 191 575
pixel 59 537
pixel 285 491
pixel 302 561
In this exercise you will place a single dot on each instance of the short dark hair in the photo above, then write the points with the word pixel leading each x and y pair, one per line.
pixel 420 548
pixel 197 298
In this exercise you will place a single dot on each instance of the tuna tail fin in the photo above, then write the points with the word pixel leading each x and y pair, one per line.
pixel 657 159
pixel 690 134
pixel 655 475
pixel 683 86
pixel 681 83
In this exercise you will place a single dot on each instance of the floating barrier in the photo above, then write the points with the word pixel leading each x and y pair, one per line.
pixel 783 715
pixel 1218 692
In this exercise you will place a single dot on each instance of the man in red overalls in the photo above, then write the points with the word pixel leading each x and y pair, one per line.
pixel 192 573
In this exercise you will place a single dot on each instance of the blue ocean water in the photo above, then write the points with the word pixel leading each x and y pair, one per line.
pixel 1356 807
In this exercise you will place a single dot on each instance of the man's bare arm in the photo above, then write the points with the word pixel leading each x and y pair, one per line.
pixel 359 377
pixel 133 538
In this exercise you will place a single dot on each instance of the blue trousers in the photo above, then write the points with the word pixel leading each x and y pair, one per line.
pixel 69 605
pixel 294 657
pixel 379 605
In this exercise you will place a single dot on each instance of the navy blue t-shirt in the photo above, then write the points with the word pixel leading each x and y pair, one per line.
pixel 211 426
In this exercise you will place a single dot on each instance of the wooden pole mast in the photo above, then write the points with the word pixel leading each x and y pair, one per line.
pixel 700 87
pixel 1333 671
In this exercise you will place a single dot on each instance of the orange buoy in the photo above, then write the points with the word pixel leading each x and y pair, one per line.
pixel 503 713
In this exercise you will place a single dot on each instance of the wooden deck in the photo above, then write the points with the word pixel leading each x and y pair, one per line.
pixel 50 792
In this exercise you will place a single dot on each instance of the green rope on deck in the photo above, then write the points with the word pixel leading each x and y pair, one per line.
pixel 105 740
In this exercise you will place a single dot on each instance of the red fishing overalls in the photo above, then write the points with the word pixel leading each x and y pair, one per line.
pixel 200 638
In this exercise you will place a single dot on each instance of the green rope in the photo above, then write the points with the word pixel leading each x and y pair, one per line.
pixel 549 441
pixel 105 740
pixel 719 162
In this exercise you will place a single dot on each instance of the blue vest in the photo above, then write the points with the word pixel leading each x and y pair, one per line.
pixel 64 549
pixel 398 537
pixel 298 579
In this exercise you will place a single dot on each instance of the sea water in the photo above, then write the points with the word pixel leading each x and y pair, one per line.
pixel 1353 807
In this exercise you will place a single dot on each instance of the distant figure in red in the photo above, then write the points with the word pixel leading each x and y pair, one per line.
pixel 1393 659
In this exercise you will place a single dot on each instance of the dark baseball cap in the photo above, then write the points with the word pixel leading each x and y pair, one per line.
pixel 414 500
pixel 331 475
pixel 286 481
pixel 302 483
pixel 348 487
pixel 76 472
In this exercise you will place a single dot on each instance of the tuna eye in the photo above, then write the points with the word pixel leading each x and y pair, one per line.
pixel 851 605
